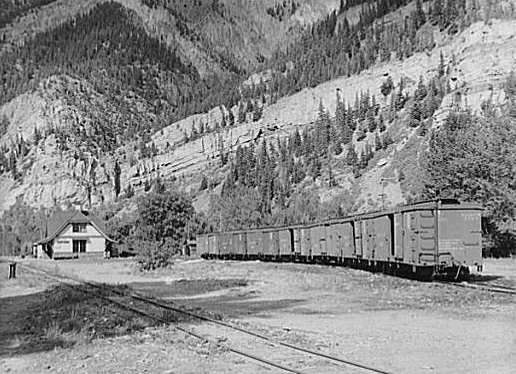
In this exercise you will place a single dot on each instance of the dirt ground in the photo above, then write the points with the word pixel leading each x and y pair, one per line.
pixel 399 325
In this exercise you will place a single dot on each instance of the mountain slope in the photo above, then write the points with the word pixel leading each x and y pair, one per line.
pixel 154 148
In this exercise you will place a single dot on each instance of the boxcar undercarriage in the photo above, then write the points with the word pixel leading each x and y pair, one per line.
pixel 398 269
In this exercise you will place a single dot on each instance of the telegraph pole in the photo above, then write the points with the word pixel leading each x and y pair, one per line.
pixel 382 180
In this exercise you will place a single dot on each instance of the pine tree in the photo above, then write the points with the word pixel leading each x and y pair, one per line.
pixel 337 147
pixel 159 187
pixel 351 119
pixel 437 13
pixel 257 114
pixel 387 86
pixel 331 177
pixel 204 183
pixel 351 157
pixel 129 191
pixel 322 130
pixel 442 67
pixel 12 165
pixel 315 166
pixel 231 118
pixel 381 124
pixel 420 16
pixel 250 106
pixel 377 142
pixel 362 131
pixel 222 154
pixel 371 121
pixel 421 91
pixel 117 172
pixel 296 143
pixel 400 99
pixel 241 113
pixel 387 140
pixel 415 115
pixel 37 135
pixel 362 161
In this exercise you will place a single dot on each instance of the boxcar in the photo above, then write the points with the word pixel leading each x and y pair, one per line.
pixel 202 245
pixel 286 243
pixel 443 236
pixel 239 250
pixel 254 244
pixel 213 250
pixel 296 242
pixel 225 245
pixel 318 240
pixel 358 232
pixel 305 243
pixel 271 244
pixel 378 240
pixel 339 241
pixel 460 237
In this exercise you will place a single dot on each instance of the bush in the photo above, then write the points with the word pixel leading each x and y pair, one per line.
pixel 502 245
pixel 160 229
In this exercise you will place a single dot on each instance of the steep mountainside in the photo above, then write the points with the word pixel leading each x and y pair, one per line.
pixel 154 89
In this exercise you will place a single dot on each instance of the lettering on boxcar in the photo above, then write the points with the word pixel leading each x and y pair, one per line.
pixel 448 245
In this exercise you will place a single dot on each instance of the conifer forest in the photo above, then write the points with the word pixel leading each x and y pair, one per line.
pixel 129 80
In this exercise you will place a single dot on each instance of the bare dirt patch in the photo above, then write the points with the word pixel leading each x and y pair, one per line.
pixel 400 325
pixel 500 271
pixel 23 284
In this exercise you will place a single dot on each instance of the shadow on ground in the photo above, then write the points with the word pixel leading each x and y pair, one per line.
pixel 70 315
pixel 61 316
pixel 194 295
pixel 483 278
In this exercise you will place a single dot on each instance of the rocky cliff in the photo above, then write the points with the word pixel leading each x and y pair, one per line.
pixel 478 60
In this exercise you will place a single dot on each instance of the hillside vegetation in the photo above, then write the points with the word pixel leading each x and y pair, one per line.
pixel 240 109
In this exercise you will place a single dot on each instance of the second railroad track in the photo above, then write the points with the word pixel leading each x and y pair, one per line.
pixel 260 348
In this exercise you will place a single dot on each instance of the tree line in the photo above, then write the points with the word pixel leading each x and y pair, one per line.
pixel 13 9
pixel 472 158
pixel 335 47
pixel 115 54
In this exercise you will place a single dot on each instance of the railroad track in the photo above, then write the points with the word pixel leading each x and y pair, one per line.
pixel 261 346
pixel 483 286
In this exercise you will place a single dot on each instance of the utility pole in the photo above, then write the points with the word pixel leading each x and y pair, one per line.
pixel 382 195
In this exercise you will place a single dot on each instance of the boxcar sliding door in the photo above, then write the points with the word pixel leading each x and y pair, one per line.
pixel 357 231
pixel 399 236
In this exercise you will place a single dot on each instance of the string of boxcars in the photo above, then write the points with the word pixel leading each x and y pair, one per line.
pixel 438 238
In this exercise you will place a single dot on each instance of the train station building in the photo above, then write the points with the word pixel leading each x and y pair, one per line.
pixel 74 234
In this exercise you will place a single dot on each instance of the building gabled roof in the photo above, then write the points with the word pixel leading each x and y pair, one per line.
pixel 60 220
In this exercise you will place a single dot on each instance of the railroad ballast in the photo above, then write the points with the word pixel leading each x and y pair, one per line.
pixel 427 239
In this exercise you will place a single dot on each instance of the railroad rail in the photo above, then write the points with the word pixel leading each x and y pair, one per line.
pixel 483 286
pixel 159 304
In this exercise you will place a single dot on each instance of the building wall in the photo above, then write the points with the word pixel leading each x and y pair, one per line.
pixel 90 231
pixel 41 253
pixel 95 242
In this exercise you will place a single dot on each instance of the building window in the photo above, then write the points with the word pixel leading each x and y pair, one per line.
pixel 78 227
pixel 79 246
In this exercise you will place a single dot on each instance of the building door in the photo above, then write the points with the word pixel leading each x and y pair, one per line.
pixel 79 246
